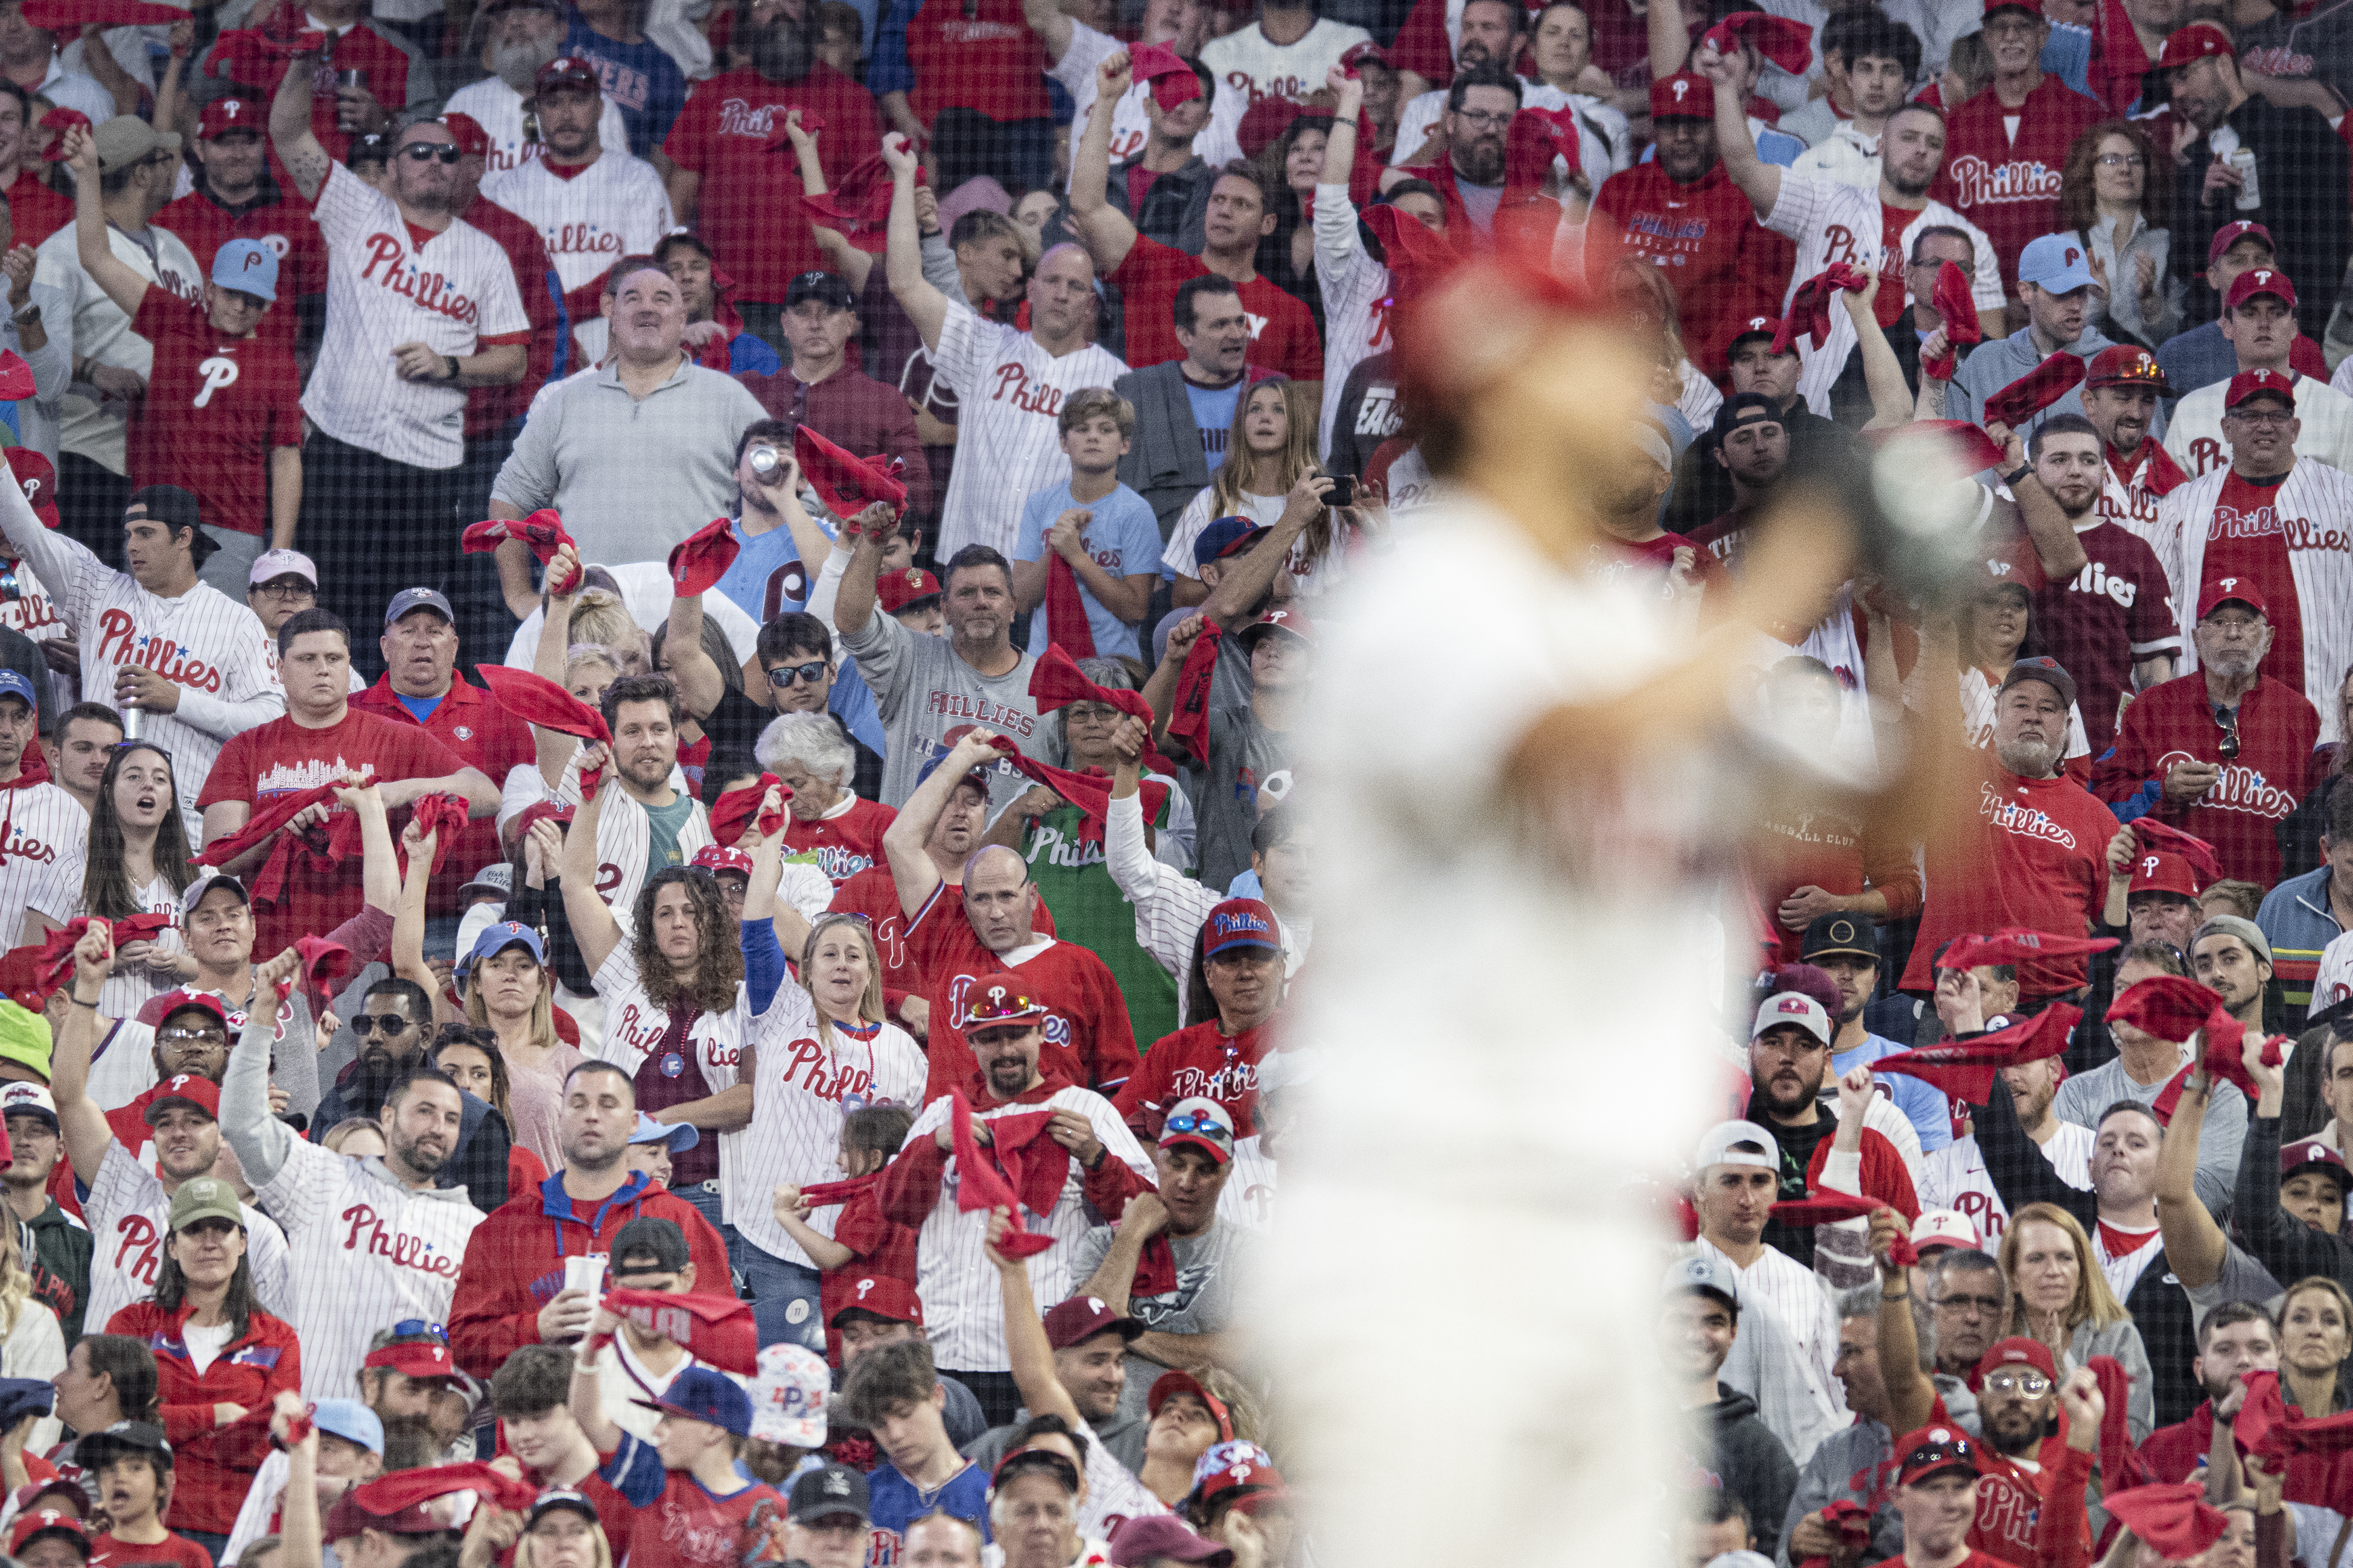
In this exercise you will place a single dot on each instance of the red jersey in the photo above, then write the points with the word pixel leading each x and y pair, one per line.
pixel 2244 540
pixel 2113 611
pixel 282 757
pixel 284 226
pixel 979 55
pixel 2033 854
pixel 106 1552
pixel 489 408
pixel 2002 165
pixel 1089 1041
pixel 747 205
pixel 882 1245
pixel 1808 841
pixel 1725 266
pixel 216 408
pixel 2174 722
pixel 1282 331
pixel 874 894
pixel 1201 1060
pixel 675 1522
pixel 214 1465
pixel 36 212
pixel 847 841
pixel 480 734
pixel 356 48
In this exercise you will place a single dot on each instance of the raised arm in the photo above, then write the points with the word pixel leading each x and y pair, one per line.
pixel 853 603
pixel 91 242
pixel 1668 37
pixel 2274 1237
pixel 261 1142
pixel 1882 373
pixel 904 841
pixel 760 900
pixel 2195 1248
pixel 290 130
pixel 1052 26
pixel 80 1120
pixel 408 923
pixel 593 926
pixel 552 749
pixel 1910 1393
pixel 926 305
pixel 700 686
pixel 588 1393
pixel 299 1530
pixel 1102 228
pixel 2056 543
pixel 1336 215
pixel 1025 1336
pixel 1758 180
pixel 1160 689
pixel 1247 580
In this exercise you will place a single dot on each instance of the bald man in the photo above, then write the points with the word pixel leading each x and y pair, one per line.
pixel 970 945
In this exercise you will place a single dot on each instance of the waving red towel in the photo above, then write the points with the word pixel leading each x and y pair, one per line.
pixel 1066 606
pixel 1416 257
pixel 846 483
pixel 1172 79
pixel 1825 1208
pixel 716 1329
pixel 1190 720
pixel 2016 944
pixel 1849 1522
pixel 2157 837
pixel 15 377
pixel 1088 790
pixel 2169 1006
pixel 781 141
pixel 1787 44
pixel 444 816
pixel 2261 1418
pixel 324 962
pixel 1055 682
pixel 52 959
pixel 701 558
pixel 825 1194
pixel 981 1186
pixel 266 821
pixel 535 699
pixel 1809 307
pixel 1155 1269
pixel 2121 1465
pixel 406 1489
pixel 1967 1069
pixel 62 120
pixel 1952 300
pixel 543 530
pixel 859 205
pixel 72 16
pixel 1535 138
pixel 2035 391
pixel 734 808
pixel 2175 1520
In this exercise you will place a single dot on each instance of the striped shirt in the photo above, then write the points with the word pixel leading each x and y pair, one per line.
pixel 1801 1306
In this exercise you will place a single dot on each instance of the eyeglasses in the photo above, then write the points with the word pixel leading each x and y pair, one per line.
pixel 392 1023
pixel 2121 161
pixel 1479 120
pixel 287 591
pixel 1200 1122
pixel 1989 1305
pixel 9 590
pixel 426 151
pixel 2033 1385
pixel 408 1327
pixel 191 1037
pixel 794 674
pixel 2270 419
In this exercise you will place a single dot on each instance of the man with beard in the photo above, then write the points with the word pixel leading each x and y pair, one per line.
pixel 2231 958
pixel 394 1026
pixel 512 1288
pixel 1479 104
pixel 1088 1339
pixel 127 1206
pixel 2054 283
pixel 1789 1055
pixel 2258 322
pixel 1955 1177
pixel 2234 1338
pixel 1486 33
pixel 402 1378
pixel 2120 395
pixel 2269 526
pixel 719 147
pixel 370 1241
pixel 2223 752
pixel 2034 853
pixel 57 1247
pixel 236 198
pixel 519 37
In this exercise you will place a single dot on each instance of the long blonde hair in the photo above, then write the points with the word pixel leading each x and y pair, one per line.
pixel 2093 1302
pixel 15 1280
pixel 870 1003
pixel 1229 486
pixel 543 1012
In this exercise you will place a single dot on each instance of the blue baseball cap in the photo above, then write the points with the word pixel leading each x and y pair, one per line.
pixel 2060 263
pixel 679 1136
pixel 705 1393
pixel 410 600
pixel 1225 536
pixel 352 1421
pixel 14 684
pixel 496 939
pixel 247 266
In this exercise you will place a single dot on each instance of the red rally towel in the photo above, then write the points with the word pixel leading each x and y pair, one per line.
pixel 1066 607
pixel 1055 682
pixel 982 1186
pixel 2121 1465
pixel 847 484
pixel 716 1329
pixel 1535 138
pixel 535 699
pixel 2016 944
pixel 406 1489
pixel 1190 720
pixel 825 1194
pixel 324 963
pixel 51 960
pixel 701 558
pixel 1155 1272
pixel 1088 790
pixel 543 530
pixel 2035 391
pixel 72 16
pixel 444 816
pixel 1824 1208
pixel 270 883
pixel 2155 837
pixel 1809 307
pixel 734 808
pixel 1851 1521
pixel 1967 1069
pixel 62 120
pixel 859 205
pixel 1172 79
pixel 1787 44
pixel 16 375
pixel 781 141
pixel 1952 300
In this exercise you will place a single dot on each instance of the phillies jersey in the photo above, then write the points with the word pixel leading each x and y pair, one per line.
pixel 846 840
pixel 675 1522
pixel 216 408
pixel 1829 221
pixel 1201 1061
pixel 500 109
pixel 589 216
pixel 25 607
pixel 282 224
pixel 489 409
pixel 1722 265
pixel 41 828
pixel 2002 165
pixel 665 1053
pixel 1087 1037
pixel 129 1214
pixel 388 284
pixel 1282 330
pixel 2173 723
pixel 2112 614
pixel 2135 485
pixel 1009 394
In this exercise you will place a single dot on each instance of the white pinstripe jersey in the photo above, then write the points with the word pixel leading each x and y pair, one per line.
pixel 964 1307
pixel 634 1027
pixel 131 986
pixel 128 1213
pixel 1801 1304
pixel 1352 282
pixel 1009 392
pixel 498 109
pixel 614 207
pixel 385 289
pixel 31 610
pixel 42 831
pixel 366 1252
pixel 796 1111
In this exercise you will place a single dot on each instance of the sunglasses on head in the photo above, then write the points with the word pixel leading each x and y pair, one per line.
pixel 426 151
pixel 392 1023
pixel 409 1327
pixel 1200 1123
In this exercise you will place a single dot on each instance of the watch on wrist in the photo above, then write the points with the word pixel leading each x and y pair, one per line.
pixel 26 314
pixel 2017 475
pixel 451 360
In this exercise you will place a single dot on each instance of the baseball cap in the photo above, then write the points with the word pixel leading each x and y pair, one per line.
pixel 1791 1007
pixel 1686 95
pixel 1757 327
pixel 505 934
pixel 2230 234
pixel 826 1491
pixel 498 877
pixel 32 1492
pixel 274 563
pixel 2046 670
pixel 204 1198
pixel 1944 1227
pixel 999 1006
pixel 2245 930
pixel 1196 1122
pixel 2123 364
pixel 185 1089
pixel 1702 1272
pixel 1081 1318
pixel 2183 46
pixel 2224 591
pixel 123 1437
pixel 882 1296
pixel 679 1137
pixel 14 684
pixel 788 1397
pixel 2017 1350
pixel 350 1516
pixel 1742 409
pixel 418 1359
pixel 1719 1146
pixel 1359 54
pixel 565 73
pixel 2250 384
pixel 205 884
pixel 1057 1465
pixel 180 1001
pixel 705 1393
pixel 2033 7
pixel 829 286
pixel 1281 618
pixel 900 589
pixel 409 600
pixel 1925 1452
pixel 1241 922
pixel 651 1235
pixel 375 147
pixel 223 115
pixel 1839 934
pixel 2157 872
pixel 719 857
pixel 2058 262
pixel 2257 280
pixel 554 1498
pixel 30 1527
pixel 24 1038
pixel 132 141
pixel 18 1099
pixel 352 1421
pixel 473 140
pixel 1160 1537
pixel 1226 536
pixel 247 266
pixel 38 478
pixel 1171 1384
pixel 2311 1154
pixel 1225 1466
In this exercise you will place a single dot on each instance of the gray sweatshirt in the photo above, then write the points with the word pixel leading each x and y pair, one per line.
pixel 924 691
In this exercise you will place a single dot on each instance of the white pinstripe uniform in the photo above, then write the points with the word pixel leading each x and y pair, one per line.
pixel 1352 281
pixel 498 109
pixel 32 612
pixel 42 829
pixel 1954 1177
pixel 797 1111
pixel 1799 1301
pixel 129 1214
pixel 208 645
pixel 383 290
pixel 634 1027
pixel 131 986
pixel 1008 447
pixel 964 1312
pixel 614 207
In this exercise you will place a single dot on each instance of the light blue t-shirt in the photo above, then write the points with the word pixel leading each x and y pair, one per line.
pixel 1125 539
pixel 766 579
pixel 1921 1102
pixel 1213 414
pixel 2067 55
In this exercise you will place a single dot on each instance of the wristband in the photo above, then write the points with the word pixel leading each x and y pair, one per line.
pixel 80 1003
pixel 2017 474
pixel 1347 119
pixel 451 360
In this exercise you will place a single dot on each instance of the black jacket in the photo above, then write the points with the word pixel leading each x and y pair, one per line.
pixel 479 1165
pixel 2290 1249
pixel 2300 172
pixel 1730 1448
pixel 1175 209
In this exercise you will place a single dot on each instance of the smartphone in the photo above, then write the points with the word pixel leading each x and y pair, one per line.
pixel 1342 493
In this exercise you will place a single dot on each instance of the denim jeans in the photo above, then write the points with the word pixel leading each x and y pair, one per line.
pixel 785 1299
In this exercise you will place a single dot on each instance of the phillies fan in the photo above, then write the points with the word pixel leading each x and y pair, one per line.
pixel 237 198
pixel 2259 323
pixel 2005 148
pixel 194 661
pixel 2120 390
pixel 813 758
pixel 1239 961
pixel 1682 211
pixel 2235 1337
pixel 2222 752
pixel 963 943
pixel 393 74
pixel 592 204
pixel 2274 523
pixel 2202 355
pixel 519 37
pixel 413 287
pixel 222 416
pixel 2035 852
pixel 40 825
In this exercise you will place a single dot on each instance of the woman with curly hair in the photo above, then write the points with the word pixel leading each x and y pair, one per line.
pixel 134 862
pixel 2114 193
pixel 676 1019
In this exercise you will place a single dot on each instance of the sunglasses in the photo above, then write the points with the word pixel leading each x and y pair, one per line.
pixel 2229 727
pixel 426 151
pixel 792 674
pixel 392 1023
pixel 2033 1385
pixel 409 1327
pixel 1200 1123
pixel 191 1037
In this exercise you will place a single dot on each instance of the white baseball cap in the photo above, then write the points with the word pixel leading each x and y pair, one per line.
pixel 1791 1007
pixel 28 1099
pixel 788 1397
pixel 1945 1228
pixel 1717 1148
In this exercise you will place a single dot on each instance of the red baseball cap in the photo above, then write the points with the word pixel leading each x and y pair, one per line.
pixel 184 1089
pixel 2197 41
pixel 1757 327
pixel 2126 365
pixel 886 1296
pixel 1925 1452
pixel 1081 1318
pixel 2223 590
pixel 473 140
pixel 2260 280
pixel 999 1006
pixel 2161 873
pixel 567 71
pixel 415 1359
pixel 225 114
pixel 2253 383
pixel 28 1525
pixel 2230 234
pixel 1171 1384
pixel 2033 7
pixel 900 589
pixel 2312 1154
pixel 719 859
pixel 1281 618
pixel 1686 95
pixel 2018 1350
pixel 38 478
